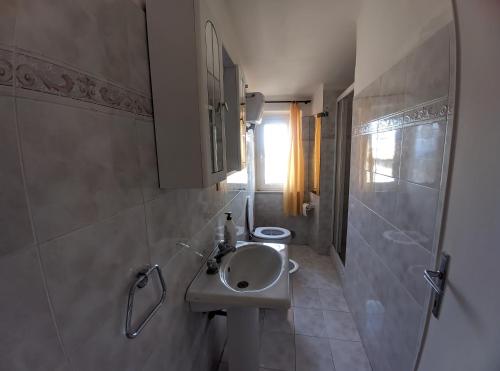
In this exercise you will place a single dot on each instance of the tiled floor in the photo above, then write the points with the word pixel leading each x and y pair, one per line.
pixel 318 332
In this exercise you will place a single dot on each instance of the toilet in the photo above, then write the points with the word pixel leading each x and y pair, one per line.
pixel 265 234
pixel 268 234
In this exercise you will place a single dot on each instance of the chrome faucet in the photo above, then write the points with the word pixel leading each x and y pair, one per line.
pixel 224 249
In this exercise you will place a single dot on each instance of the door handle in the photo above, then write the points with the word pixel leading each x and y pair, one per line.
pixel 437 280
pixel 430 276
pixel 223 105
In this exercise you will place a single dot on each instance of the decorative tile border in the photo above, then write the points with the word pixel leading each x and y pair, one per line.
pixel 32 73
pixel 369 128
pixel 425 113
pixel 391 122
pixel 6 68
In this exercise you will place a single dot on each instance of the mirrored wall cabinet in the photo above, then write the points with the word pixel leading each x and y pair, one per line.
pixel 185 52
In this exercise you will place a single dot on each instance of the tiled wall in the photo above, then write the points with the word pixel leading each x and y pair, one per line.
pixel 80 207
pixel 400 146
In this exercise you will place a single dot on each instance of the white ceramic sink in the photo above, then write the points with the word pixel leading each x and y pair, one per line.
pixel 253 267
pixel 255 275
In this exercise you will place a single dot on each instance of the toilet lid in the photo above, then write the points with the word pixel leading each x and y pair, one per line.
pixel 271 233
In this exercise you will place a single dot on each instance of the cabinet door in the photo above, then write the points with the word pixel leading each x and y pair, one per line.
pixel 243 125
pixel 215 99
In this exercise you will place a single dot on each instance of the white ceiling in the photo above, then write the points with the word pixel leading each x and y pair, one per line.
pixel 289 47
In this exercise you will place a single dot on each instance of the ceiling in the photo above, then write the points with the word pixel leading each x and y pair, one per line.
pixel 289 47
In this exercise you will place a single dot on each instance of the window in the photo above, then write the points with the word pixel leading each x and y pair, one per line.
pixel 239 179
pixel 272 147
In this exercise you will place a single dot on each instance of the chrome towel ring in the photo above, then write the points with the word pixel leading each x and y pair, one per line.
pixel 141 282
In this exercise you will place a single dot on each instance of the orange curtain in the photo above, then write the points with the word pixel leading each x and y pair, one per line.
pixel 293 192
pixel 317 154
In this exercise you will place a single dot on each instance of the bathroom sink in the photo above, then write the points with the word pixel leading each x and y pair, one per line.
pixel 254 275
pixel 253 267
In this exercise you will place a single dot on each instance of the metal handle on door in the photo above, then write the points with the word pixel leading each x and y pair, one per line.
pixel 436 280
pixel 430 276
pixel 222 105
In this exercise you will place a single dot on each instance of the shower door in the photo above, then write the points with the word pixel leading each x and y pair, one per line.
pixel 343 124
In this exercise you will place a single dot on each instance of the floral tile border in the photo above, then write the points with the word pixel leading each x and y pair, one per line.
pixel 425 113
pixel 35 74
pixel 6 68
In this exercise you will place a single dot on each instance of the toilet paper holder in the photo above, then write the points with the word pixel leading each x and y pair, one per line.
pixel 307 207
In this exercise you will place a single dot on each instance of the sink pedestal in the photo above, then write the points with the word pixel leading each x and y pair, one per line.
pixel 243 343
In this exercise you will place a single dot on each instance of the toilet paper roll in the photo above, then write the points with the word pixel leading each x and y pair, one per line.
pixel 305 208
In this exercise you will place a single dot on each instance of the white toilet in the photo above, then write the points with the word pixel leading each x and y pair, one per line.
pixel 268 234
pixel 265 234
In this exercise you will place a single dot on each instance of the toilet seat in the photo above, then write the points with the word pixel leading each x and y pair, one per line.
pixel 271 233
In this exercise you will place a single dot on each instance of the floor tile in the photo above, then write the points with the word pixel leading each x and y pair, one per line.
pixel 349 356
pixel 333 299
pixel 316 279
pixel 309 322
pixel 302 278
pixel 298 252
pixel 318 263
pixel 277 351
pixel 306 297
pixel 327 280
pixel 313 354
pixel 340 325
pixel 278 320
